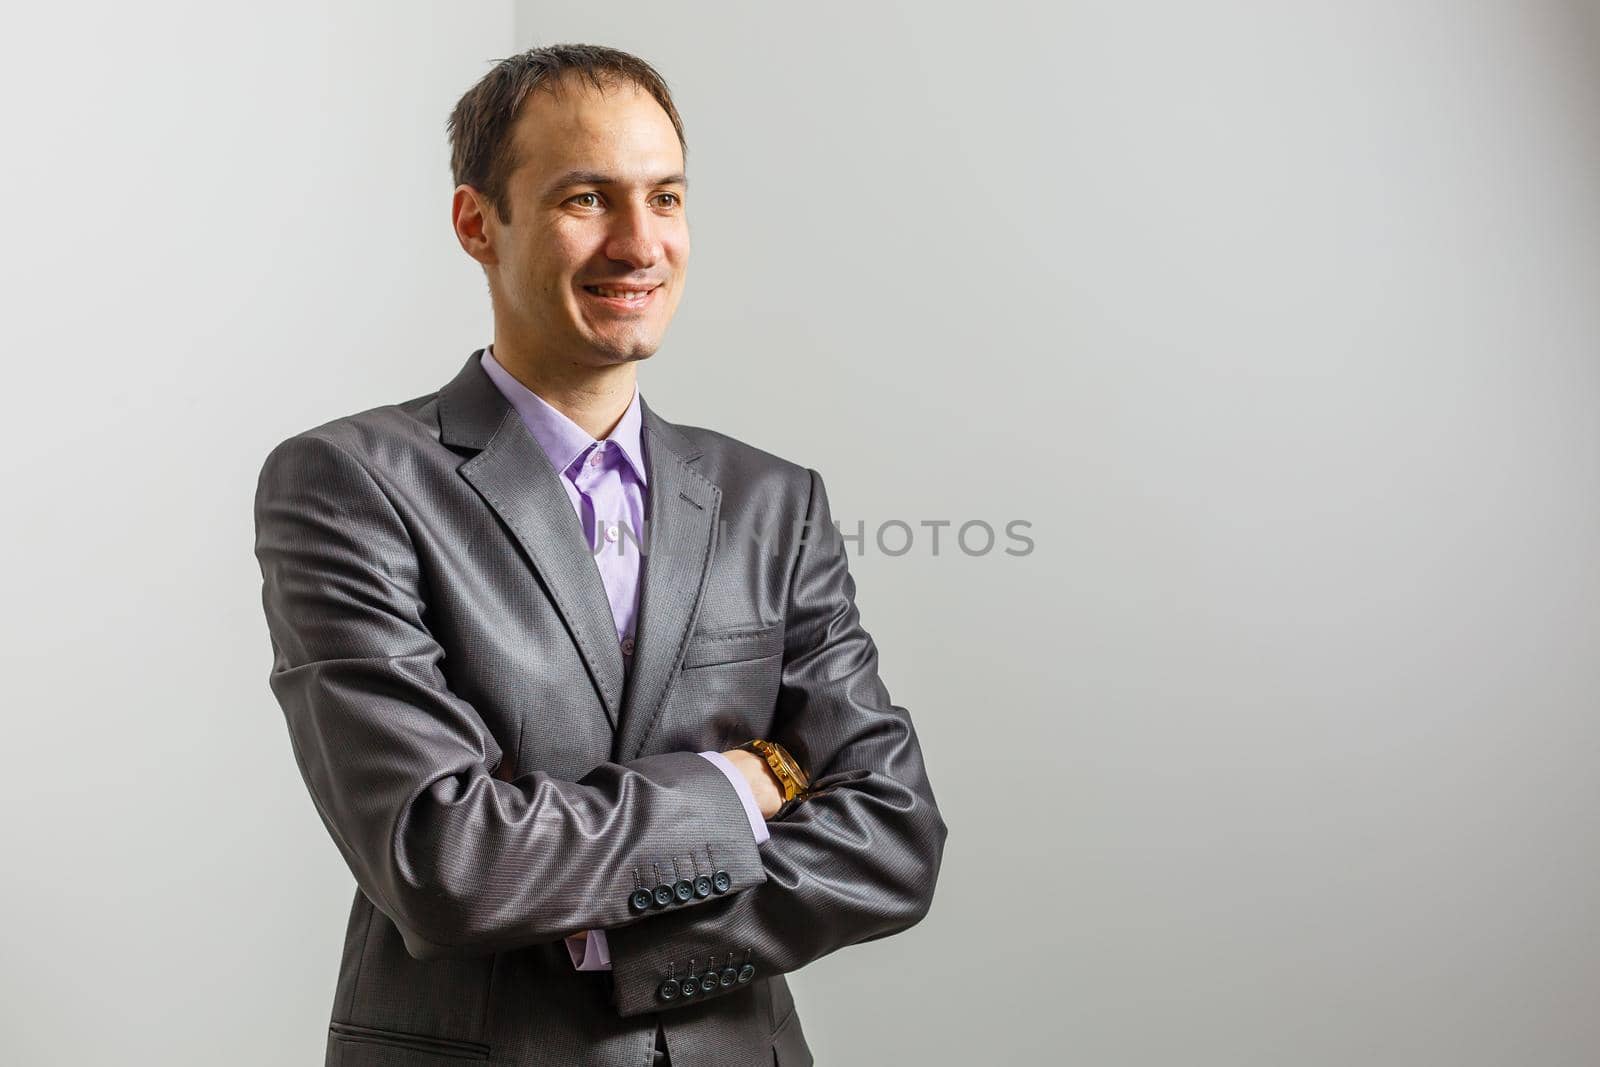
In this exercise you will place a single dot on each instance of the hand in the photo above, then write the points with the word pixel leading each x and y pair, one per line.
pixel 764 784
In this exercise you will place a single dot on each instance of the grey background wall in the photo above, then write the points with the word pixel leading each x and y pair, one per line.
pixel 223 222
pixel 1275 321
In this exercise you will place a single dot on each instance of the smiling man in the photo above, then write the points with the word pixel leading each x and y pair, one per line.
pixel 603 779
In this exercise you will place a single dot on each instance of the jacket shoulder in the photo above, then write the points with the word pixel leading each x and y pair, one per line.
pixel 728 460
pixel 381 438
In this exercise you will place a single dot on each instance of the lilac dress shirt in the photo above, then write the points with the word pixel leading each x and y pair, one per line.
pixel 605 481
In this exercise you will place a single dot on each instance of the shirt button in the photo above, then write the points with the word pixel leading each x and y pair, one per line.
pixel 611 532
pixel 627 646
pixel 596 457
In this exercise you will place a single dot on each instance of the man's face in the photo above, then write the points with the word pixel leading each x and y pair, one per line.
pixel 597 210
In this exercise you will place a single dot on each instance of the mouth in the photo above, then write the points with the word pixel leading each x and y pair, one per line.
pixel 621 297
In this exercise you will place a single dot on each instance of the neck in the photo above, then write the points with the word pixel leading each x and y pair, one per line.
pixel 593 397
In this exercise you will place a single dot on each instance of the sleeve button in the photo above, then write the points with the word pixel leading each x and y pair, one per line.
pixel 702 886
pixel 747 972
pixel 668 989
pixel 641 899
pixel 663 895
pixel 721 882
pixel 683 890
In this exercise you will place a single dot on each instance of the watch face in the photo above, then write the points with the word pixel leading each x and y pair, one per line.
pixel 784 766
pixel 791 765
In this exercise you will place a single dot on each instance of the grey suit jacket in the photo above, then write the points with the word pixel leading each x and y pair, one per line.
pixel 447 664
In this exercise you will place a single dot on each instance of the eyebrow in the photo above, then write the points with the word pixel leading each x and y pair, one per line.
pixel 590 177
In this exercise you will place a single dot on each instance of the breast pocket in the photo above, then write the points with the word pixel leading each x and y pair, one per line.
pixel 732 646
pixel 727 690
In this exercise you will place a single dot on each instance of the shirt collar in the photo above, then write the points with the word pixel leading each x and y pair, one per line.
pixel 562 439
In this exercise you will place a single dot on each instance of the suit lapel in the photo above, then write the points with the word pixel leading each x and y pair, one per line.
pixel 681 513
pixel 515 478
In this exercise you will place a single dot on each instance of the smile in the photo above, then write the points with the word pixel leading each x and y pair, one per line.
pixel 630 297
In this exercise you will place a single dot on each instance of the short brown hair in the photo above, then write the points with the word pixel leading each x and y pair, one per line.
pixel 482 153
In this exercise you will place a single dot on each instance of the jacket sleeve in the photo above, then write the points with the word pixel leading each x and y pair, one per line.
pixel 854 862
pixel 406 775
pixel 592 953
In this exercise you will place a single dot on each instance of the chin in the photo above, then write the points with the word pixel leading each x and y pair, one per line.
pixel 626 349
pixel 613 355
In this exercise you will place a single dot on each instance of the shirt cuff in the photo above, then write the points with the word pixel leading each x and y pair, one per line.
pixel 752 810
pixel 594 955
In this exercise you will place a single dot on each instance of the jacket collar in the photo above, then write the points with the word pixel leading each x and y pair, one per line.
pixel 471 410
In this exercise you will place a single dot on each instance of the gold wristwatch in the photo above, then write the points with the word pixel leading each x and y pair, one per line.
pixel 786 767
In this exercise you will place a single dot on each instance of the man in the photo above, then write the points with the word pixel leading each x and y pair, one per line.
pixel 523 626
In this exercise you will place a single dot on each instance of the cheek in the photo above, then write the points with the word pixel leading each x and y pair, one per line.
pixel 555 257
pixel 677 245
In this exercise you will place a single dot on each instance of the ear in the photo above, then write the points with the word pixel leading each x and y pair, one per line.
pixel 470 213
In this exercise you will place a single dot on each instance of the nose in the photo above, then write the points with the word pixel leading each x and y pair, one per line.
pixel 633 239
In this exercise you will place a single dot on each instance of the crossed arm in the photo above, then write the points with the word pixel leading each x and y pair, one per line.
pixel 762 795
pixel 403 772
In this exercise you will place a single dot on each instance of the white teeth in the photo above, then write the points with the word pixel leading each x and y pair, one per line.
pixel 625 294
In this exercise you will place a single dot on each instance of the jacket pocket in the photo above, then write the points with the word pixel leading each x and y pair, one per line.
pixel 448 1048
pixel 733 646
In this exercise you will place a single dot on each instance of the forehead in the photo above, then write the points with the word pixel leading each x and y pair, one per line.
pixel 619 130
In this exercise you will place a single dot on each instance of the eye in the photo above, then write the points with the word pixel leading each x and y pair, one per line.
pixel 676 200
pixel 580 196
